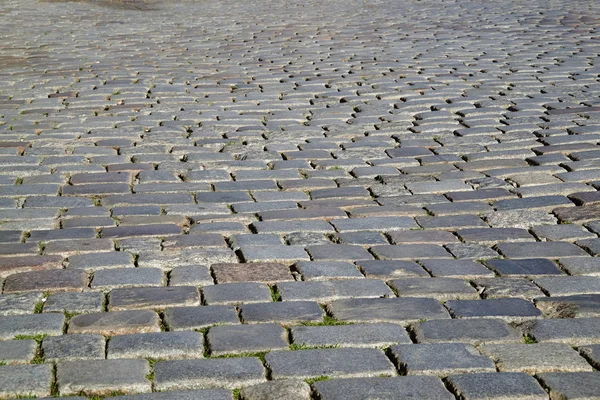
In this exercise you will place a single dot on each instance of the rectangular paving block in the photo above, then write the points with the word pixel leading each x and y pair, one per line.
pixel 19 303
pixel 550 250
pixel 273 253
pixel 240 339
pixel 251 272
pixel 441 359
pixel 382 224
pixel 577 306
pixel 74 347
pixel 54 280
pixel 74 302
pixel 102 377
pixel 25 381
pixel 573 331
pixel 353 335
pixel 571 385
pixel 115 323
pixel 31 325
pixel 497 386
pixel 524 267
pixel 535 358
pixel 509 309
pixel 342 363
pixel 387 269
pixel 401 387
pixel 17 351
pixel 396 310
pixel 188 318
pixel 472 331
pixel 163 345
pixel 328 290
pixel 324 270
pixel 153 298
pixel 281 312
pixel 227 373
pixel 441 289
pixel 236 293
pixel 569 285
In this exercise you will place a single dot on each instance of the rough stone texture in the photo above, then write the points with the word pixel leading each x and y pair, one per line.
pixel 31 325
pixel 236 293
pixel 252 272
pixel 404 311
pixel 441 359
pixel 473 331
pixel 153 297
pixel 163 345
pixel 396 388
pixel 441 289
pixel 572 385
pixel 102 377
pixel 343 363
pixel 575 332
pixel 115 323
pixel 537 357
pixel 206 394
pixel 74 347
pixel 74 302
pixel 17 351
pixel 230 373
pixel 352 335
pixel 25 380
pixel 285 313
pixel 504 385
pixel 187 318
pixel 274 390
pixel 246 339
pixel 507 309
pixel 578 306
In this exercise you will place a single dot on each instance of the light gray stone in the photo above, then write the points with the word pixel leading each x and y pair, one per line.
pixel 352 335
pixel 343 363
pixel 246 339
pixel 497 386
pixel 74 347
pixel 102 377
pixel 17 351
pixel 187 318
pixel 572 385
pixel 572 331
pixel 25 380
pixel 288 389
pixel 31 325
pixel 474 332
pixel 206 394
pixel 396 310
pixel 228 373
pixel 163 345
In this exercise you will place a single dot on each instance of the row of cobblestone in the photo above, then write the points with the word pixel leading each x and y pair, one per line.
pixel 299 200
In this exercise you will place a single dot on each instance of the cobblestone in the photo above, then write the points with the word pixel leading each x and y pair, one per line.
pixel 305 167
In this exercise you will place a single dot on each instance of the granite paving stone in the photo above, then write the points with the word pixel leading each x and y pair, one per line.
pixel 342 363
pixel 25 380
pixel 162 345
pixel 441 359
pixel 203 394
pixel 536 357
pixel 17 351
pixel 127 376
pixel 396 388
pixel 571 385
pixel 228 373
pixel 74 347
pixel 497 385
pixel 356 171
pixel 188 318
pixel 240 339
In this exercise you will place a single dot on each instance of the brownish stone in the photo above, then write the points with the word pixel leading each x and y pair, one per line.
pixel 252 272
pixel 61 280
pixel 14 265
pixel 116 323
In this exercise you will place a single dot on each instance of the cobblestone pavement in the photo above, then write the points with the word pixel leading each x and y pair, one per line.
pixel 300 199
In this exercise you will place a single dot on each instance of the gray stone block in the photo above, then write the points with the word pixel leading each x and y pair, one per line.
pixel 74 302
pixel 228 373
pixel 205 394
pixel 25 380
pixel 153 297
pixel 323 270
pixel 441 359
pixel 578 306
pixel 466 269
pixel 190 275
pixel 282 312
pixel 387 269
pixel 115 323
pixel 74 347
pixel 246 339
pixel 396 310
pixel 572 385
pixel 535 358
pixel 573 331
pixel 127 277
pixel 273 253
pixel 496 288
pixel 102 377
pixel 19 303
pixel 187 318
pixel 569 285
pixel 507 309
pixel 441 289
pixel 396 388
pixel 163 345
pixel 236 293
pixel 31 325
pixel 289 389
pixel 581 265
pixel 17 351
pixel 497 386
pixel 342 363
pixel 353 335
pixel 474 332
pixel 326 291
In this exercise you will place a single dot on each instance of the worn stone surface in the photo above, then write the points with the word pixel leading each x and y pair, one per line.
pixel 506 385
pixel 25 380
pixel 202 394
pixel 441 359
pixel 102 377
pixel 115 323
pixel 343 363
pixel 396 388
pixel 17 351
pixel 198 374
pixel 273 390
pixel 415 168
pixel 572 385
pixel 237 339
